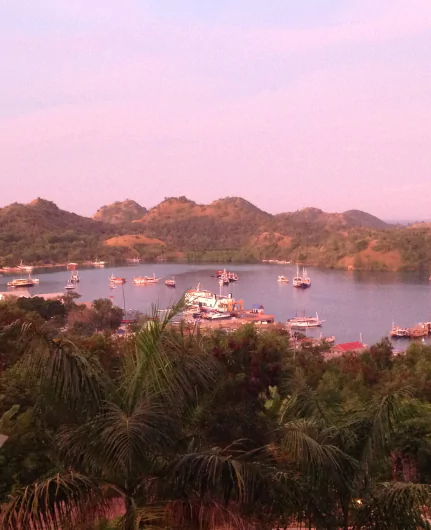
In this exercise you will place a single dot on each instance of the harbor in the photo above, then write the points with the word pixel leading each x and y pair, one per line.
pixel 349 303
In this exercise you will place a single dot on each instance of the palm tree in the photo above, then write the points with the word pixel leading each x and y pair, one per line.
pixel 124 439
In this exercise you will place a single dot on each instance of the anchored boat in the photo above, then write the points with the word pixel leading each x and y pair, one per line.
pixel 115 279
pixel 305 322
pixel 145 280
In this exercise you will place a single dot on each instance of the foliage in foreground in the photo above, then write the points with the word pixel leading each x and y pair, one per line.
pixel 191 431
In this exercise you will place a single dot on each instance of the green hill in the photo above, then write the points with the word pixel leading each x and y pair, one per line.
pixel 229 228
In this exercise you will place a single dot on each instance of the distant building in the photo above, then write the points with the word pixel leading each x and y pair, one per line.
pixel 345 347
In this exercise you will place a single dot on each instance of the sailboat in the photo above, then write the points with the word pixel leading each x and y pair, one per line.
pixel 301 281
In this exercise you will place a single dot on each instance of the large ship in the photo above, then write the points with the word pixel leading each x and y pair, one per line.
pixel 201 299
pixel 305 322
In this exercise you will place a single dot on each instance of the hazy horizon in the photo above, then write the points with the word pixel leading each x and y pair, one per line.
pixel 287 106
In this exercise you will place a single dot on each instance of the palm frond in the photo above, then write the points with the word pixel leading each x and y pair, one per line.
pixel 314 451
pixel 65 373
pixel 57 503
pixel 394 506
pixel 205 515
pixel 116 440
pixel 228 474
pixel 162 370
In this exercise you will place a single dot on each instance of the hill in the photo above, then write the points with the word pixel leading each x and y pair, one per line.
pixel 226 229
pixel 120 212
pixel 40 232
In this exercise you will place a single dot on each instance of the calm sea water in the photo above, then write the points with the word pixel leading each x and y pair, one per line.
pixel 351 303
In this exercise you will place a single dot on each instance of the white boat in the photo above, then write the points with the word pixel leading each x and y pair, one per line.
pixel 74 277
pixel 69 286
pixel 217 316
pixel 232 277
pixel 145 280
pixel 26 268
pixel 133 260
pixel 301 281
pixel 194 296
pixel 98 263
pixel 205 300
pixel 283 279
pixel 305 322
pixel 171 283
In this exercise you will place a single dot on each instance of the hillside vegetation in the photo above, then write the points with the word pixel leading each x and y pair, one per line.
pixel 226 229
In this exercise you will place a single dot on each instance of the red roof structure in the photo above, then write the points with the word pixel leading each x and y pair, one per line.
pixel 349 346
pixel 346 347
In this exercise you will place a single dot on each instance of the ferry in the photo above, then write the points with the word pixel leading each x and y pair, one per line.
pixel 283 279
pixel 171 282
pixel 305 322
pixel 144 280
pixel 194 296
pixel 115 279
pixel 205 300
pixel 23 282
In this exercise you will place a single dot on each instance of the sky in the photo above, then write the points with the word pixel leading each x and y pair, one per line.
pixel 289 104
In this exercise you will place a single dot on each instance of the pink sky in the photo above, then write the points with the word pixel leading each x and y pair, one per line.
pixel 285 106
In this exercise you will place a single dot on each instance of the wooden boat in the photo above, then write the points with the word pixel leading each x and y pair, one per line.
pixel 305 322
pixel 171 283
pixel 145 280
pixel 23 282
pixel 399 333
pixel 115 279
pixel 301 281
pixel 418 331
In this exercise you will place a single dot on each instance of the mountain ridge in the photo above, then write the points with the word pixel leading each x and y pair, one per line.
pixel 230 228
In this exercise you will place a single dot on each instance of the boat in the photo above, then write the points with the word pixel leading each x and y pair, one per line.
pixel 194 296
pixel 283 279
pixel 224 277
pixel 26 268
pixel 418 331
pixel 301 281
pixel 232 277
pixel 71 266
pixel 399 333
pixel 201 299
pixel 133 260
pixel 115 279
pixel 74 277
pixel 171 283
pixel 145 280
pixel 69 286
pixel 98 263
pixel 305 322
pixel 23 282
